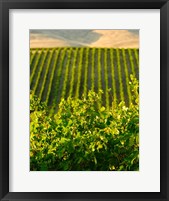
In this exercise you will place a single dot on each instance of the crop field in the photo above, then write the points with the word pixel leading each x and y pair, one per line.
pixel 57 73
pixel 97 128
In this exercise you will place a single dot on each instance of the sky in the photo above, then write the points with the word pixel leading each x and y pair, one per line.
pixel 84 38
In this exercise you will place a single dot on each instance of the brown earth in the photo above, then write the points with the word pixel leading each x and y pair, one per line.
pixel 108 38
pixel 116 39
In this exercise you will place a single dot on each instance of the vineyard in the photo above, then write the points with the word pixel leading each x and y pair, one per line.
pixel 57 73
pixel 84 109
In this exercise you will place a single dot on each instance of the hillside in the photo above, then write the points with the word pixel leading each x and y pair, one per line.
pixel 84 38
pixel 62 72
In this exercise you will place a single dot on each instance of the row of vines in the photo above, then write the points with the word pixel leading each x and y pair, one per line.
pixel 62 72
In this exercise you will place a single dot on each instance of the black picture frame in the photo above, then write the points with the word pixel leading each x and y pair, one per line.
pixel 5 6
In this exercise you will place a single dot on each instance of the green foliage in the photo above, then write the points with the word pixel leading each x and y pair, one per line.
pixel 36 104
pixel 82 136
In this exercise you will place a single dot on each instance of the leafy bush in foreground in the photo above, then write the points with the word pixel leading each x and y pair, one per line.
pixel 84 136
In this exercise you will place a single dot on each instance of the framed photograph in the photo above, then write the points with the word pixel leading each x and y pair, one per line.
pixel 84 100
